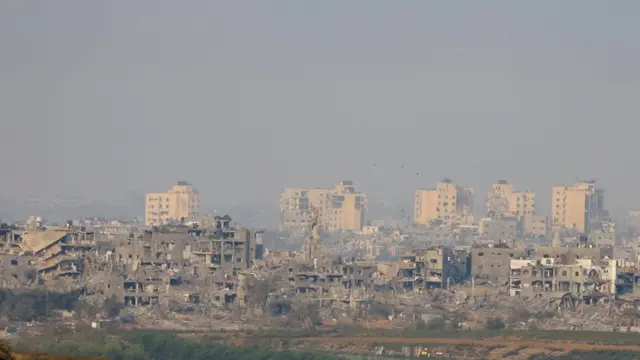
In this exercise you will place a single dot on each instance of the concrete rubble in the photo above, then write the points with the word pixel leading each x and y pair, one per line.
pixel 221 277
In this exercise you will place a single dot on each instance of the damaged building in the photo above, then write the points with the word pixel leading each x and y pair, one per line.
pixel 175 261
pixel 548 278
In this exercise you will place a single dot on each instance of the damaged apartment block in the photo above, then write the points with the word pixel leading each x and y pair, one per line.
pixel 183 263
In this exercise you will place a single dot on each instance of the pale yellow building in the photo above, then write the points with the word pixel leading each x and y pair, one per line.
pixel 504 200
pixel 574 206
pixel 339 208
pixel 182 201
pixel 446 205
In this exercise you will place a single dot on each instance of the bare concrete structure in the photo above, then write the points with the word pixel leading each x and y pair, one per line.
pixel 498 229
pixel 534 225
pixel 492 262
pixel 431 267
pixel 546 277
pixel 154 265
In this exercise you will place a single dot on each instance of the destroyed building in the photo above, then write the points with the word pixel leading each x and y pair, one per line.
pixel 58 251
pixel 168 261
pixel 432 267
pixel 192 269
pixel 546 277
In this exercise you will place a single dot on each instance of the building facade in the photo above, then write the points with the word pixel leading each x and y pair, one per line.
pixel 504 200
pixel 501 230
pixel 446 205
pixel 535 225
pixel 182 201
pixel 575 206
pixel 492 262
pixel 341 208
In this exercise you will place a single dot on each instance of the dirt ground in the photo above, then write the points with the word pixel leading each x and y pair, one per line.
pixel 511 342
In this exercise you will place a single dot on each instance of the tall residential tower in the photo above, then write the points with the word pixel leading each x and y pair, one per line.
pixel 182 201
pixel 445 205
pixel 339 208
pixel 503 200
pixel 576 206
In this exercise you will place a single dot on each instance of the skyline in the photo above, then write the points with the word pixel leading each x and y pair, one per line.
pixel 103 101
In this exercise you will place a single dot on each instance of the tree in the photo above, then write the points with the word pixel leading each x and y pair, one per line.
pixel 308 314
pixel 495 324
pixel 259 290
pixel 112 307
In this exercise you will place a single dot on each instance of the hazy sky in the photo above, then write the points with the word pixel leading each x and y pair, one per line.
pixel 99 99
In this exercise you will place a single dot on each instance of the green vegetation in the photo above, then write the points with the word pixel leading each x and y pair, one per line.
pixel 495 324
pixel 147 345
pixel 435 330
pixel 514 352
pixel 165 346
pixel 591 355
pixel 30 305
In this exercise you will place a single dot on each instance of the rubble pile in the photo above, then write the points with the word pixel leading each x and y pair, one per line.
pixel 221 277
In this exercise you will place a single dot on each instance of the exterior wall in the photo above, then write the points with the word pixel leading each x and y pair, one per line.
pixel 545 277
pixel 602 238
pixel 447 203
pixel 498 229
pixel 294 219
pixel 574 206
pixel 426 206
pixel 492 262
pixel 437 267
pixel 349 210
pixel 340 208
pixel 182 201
pixel 522 203
pixel 503 199
pixel 498 199
pixel 566 254
pixel 535 225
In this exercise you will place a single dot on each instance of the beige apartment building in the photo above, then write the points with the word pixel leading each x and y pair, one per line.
pixel 446 205
pixel 504 200
pixel 574 206
pixel 535 225
pixel 339 208
pixel 182 201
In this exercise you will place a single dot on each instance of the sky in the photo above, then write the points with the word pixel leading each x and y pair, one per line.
pixel 100 100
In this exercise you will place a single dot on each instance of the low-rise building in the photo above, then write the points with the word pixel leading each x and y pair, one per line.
pixel 492 261
pixel 548 277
